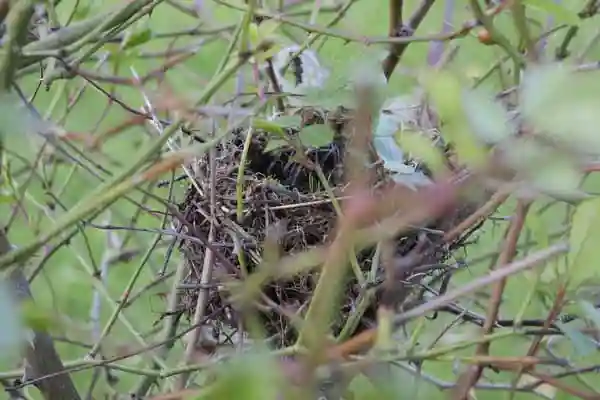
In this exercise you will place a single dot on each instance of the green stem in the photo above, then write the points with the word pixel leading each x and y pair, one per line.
pixel 338 209
pixel 496 35
pixel 520 19
pixel 17 24
pixel 239 184
pixel 121 303
pixel 106 194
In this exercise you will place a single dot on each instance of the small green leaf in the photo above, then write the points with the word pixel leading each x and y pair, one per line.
pixel 445 91
pixel 468 149
pixel 253 35
pixel 558 178
pixel 591 312
pixel 267 29
pixel 273 49
pixel 316 135
pixel 329 97
pixel 563 105
pixel 421 147
pixel 487 118
pixel 581 343
pixel 275 144
pixel 247 377
pixel 558 11
pixel 539 85
pixel 549 171
pixel 138 38
pixel 289 121
pixel 335 91
pixel 268 126
pixel 523 153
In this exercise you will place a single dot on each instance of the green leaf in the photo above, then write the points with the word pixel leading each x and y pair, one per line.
pixel 558 178
pixel 486 117
pixel 253 35
pixel 468 149
pixel 337 91
pixel 563 105
pixel 247 377
pixel 267 29
pixel 548 170
pixel 581 343
pixel 524 153
pixel 559 12
pixel 275 144
pixel 329 97
pixel 422 148
pixel 289 121
pixel 138 38
pixel 316 135
pixel 445 91
pixel 262 56
pixel 591 312
pixel 277 127
pixel 583 241
pixel 268 126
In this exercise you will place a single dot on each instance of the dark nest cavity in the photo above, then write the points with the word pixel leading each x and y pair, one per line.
pixel 278 191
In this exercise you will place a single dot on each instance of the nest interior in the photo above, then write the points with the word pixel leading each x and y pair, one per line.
pixel 280 190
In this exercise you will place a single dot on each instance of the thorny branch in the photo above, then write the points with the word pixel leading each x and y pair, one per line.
pixel 397 28
pixel 506 256
pixel 65 53
pixel 40 355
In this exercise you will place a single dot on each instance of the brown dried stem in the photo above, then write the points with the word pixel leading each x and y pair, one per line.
pixel 397 29
pixel 509 246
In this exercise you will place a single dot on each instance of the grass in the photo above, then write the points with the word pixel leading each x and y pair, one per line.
pixel 65 287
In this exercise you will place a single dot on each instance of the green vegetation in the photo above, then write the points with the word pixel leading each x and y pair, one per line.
pixel 90 225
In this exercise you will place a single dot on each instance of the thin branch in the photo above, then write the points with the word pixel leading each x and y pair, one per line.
pixel 472 375
pixel 365 339
pixel 41 356
pixel 398 30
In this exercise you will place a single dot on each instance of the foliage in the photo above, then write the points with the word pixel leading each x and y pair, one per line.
pixel 113 115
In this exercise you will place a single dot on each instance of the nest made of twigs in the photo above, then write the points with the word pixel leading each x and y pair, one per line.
pixel 277 190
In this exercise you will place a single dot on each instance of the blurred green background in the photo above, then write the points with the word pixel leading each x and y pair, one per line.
pixel 65 287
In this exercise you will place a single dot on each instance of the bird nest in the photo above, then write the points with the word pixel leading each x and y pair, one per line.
pixel 279 190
